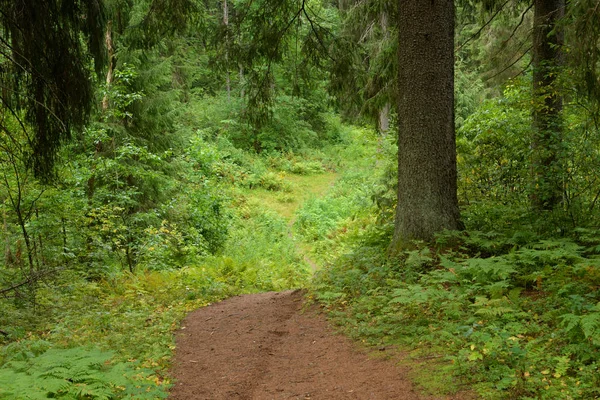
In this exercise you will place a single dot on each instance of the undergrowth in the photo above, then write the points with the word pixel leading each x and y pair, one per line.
pixel 110 334
pixel 321 219
pixel 508 308
pixel 76 373
pixel 121 327
pixel 508 319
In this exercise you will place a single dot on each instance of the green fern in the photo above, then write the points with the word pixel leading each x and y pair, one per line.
pixel 489 270
pixel 413 294
pixel 587 324
pixel 74 374
pixel 492 308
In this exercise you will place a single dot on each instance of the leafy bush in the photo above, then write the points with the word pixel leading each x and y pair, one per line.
pixel 493 147
pixel 494 161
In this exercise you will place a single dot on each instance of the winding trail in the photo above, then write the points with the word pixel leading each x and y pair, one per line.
pixel 272 346
pixel 264 346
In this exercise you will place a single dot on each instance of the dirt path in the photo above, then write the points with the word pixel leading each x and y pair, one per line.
pixel 263 346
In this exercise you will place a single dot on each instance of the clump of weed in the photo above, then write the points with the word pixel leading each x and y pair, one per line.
pixel 307 168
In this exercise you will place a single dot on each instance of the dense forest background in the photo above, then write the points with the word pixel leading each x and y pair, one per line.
pixel 429 172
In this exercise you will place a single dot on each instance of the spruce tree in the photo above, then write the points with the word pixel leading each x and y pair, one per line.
pixel 45 70
pixel 427 187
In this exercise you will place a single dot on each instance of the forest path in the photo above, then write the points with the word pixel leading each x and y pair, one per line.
pixel 272 346
pixel 264 346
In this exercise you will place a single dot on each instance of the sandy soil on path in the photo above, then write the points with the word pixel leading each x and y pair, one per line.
pixel 263 346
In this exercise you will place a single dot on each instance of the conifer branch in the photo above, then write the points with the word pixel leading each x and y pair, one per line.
pixel 319 39
pixel 513 33
pixel 473 36
pixel 511 64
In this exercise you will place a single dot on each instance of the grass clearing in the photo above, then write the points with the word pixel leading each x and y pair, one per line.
pixel 301 188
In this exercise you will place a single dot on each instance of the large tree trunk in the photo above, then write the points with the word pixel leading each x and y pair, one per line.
pixel 427 199
pixel 547 111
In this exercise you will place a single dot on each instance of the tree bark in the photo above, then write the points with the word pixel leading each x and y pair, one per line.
pixel 427 187
pixel 111 64
pixel 547 111
pixel 241 77
pixel 384 119
pixel 226 23
pixel 384 112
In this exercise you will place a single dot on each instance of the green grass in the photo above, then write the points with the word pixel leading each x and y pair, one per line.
pixel 301 188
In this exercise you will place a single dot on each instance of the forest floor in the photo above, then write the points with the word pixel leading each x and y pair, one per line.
pixel 274 346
